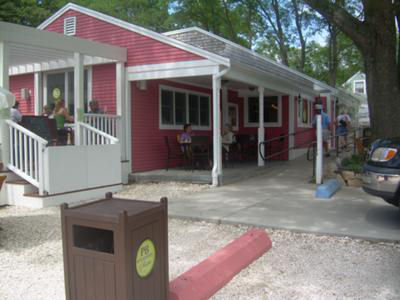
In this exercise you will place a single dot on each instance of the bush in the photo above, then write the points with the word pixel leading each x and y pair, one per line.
pixel 353 163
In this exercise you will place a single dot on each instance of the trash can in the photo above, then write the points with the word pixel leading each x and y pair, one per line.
pixel 116 249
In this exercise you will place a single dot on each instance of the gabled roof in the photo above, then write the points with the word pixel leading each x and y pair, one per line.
pixel 137 29
pixel 239 54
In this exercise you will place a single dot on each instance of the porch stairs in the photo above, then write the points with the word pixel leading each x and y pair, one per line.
pixel 17 191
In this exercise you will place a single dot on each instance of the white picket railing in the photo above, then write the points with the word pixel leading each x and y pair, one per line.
pixel 26 155
pixel 110 124
pixel 90 135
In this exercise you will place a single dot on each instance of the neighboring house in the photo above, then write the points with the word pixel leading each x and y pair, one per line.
pixel 150 84
pixel 357 85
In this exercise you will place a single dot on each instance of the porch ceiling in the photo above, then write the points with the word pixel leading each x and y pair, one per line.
pixel 30 49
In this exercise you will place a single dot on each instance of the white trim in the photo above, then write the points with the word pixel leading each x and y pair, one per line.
pixel 90 86
pixel 38 82
pixel 266 124
pixel 186 92
pixel 137 29
pixel 56 65
pixel 321 85
pixel 172 70
pixel 128 124
pixel 62 44
pixel 236 106
pixel 292 128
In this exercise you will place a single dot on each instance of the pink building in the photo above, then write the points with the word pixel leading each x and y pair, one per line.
pixel 166 80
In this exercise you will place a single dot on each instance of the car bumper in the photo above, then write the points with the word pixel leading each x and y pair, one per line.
pixel 382 185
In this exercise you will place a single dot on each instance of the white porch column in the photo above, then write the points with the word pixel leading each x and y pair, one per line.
pixel 217 151
pixel 4 65
pixel 261 130
pixel 78 94
pixel 5 113
pixel 128 123
pixel 38 93
pixel 121 105
pixel 292 120
pixel 225 109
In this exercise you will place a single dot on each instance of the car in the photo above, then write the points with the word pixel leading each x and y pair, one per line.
pixel 381 172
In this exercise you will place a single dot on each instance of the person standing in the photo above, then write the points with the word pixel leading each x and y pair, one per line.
pixel 16 115
pixel 343 122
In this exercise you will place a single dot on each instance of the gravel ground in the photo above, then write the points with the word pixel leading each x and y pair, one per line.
pixel 299 266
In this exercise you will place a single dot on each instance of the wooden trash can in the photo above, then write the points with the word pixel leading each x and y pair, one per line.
pixel 116 249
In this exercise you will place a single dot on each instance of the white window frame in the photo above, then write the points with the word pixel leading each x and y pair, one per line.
pixel 66 71
pixel 186 92
pixel 266 124
pixel 235 127
pixel 364 84
pixel 300 123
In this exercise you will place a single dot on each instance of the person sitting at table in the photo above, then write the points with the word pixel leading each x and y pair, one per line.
pixel 48 111
pixel 227 137
pixel 16 115
pixel 61 115
pixel 94 108
pixel 185 139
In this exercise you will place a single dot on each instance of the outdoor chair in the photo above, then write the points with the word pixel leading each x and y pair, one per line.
pixel 172 154
pixel 200 152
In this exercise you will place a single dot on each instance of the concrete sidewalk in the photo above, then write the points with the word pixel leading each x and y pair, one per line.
pixel 283 198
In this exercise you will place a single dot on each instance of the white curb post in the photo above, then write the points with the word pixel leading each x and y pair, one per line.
pixel 320 151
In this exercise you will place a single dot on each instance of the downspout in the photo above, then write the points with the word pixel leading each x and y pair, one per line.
pixel 217 124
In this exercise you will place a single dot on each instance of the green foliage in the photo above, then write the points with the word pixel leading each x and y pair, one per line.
pixel 353 163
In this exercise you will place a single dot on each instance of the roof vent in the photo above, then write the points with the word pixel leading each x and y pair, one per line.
pixel 70 26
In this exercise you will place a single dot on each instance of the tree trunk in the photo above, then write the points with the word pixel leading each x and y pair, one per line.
pixel 383 92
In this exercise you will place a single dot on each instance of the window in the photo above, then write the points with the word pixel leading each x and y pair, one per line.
pixel 233 115
pixel 70 26
pixel 304 113
pixel 179 107
pixel 272 111
pixel 359 87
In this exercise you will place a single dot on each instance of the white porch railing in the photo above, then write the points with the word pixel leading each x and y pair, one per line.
pixel 26 155
pixel 109 124
pixel 90 135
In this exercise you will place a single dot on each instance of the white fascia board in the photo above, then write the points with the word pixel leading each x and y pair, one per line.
pixel 172 70
pixel 251 77
pixel 137 29
pixel 55 65
pixel 19 34
pixel 266 59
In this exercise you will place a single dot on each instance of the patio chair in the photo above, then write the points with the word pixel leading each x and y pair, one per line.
pixel 172 154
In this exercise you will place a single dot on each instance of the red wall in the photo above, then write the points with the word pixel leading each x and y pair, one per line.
pixel 27 107
pixel 149 151
pixel 142 50
pixel 104 88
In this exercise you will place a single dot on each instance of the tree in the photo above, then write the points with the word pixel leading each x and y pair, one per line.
pixel 374 33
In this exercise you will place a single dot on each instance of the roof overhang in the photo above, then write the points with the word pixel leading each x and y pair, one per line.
pixel 32 50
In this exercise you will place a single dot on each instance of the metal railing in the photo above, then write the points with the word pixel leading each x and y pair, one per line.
pixel 90 135
pixel 110 124
pixel 281 139
pixel 26 155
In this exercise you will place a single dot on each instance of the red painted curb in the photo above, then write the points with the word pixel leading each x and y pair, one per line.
pixel 205 279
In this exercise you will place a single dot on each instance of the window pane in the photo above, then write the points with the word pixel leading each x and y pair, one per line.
pixel 167 107
pixel 204 111
pixel 359 87
pixel 180 108
pixel 252 111
pixel 271 109
pixel 55 87
pixel 194 109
